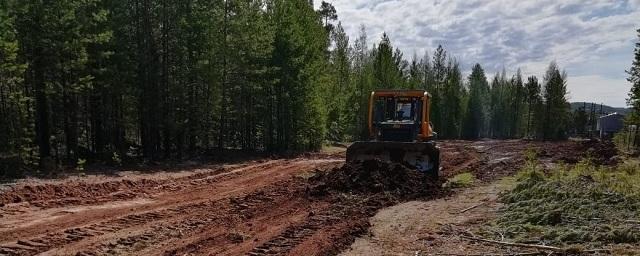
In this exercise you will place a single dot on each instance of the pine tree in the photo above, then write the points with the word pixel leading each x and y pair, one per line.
pixel 579 122
pixel 362 76
pixel 401 69
pixel 415 73
pixel 634 79
pixel 426 72
pixel 475 114
pixel 517 97
pixel 16 130
pixel 452 100
pixel 328 14
pixel 498 110
pixel 556 105
pixel 300 60
pixel 438 80
pixel 385 66
pixel 534 100
pixel 336 97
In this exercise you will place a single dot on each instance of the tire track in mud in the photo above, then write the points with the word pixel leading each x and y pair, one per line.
pixel 296 235
pixel 141 229
pixel 250 219
pixel 73 193
pixel 288 221
pixel 109 228
pixel 196 190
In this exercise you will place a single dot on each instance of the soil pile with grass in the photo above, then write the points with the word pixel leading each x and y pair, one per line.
pixel 376 177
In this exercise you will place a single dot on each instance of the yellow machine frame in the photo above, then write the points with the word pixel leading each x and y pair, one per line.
pixel 426 132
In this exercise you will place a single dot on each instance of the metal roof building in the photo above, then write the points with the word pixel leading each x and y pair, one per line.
pixel 610 124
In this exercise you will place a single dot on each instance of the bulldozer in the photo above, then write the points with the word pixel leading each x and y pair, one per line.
pixel 400 131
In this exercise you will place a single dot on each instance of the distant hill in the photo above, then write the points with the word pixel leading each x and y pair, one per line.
pixel 606 109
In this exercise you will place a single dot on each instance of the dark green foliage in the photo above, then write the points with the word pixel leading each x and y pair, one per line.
pixel 474 125
pixel 16 147
pixel 516 99
pixel 452 95
pixel 634 79
pixel 580 120
pixel 438 78
pixel 161 79
pixel 301 65
pixel 336 98
pixel 362 83
pixel 534 105
pixel 507 106
pixel 328 14
pixel 386 69
pixel 556 110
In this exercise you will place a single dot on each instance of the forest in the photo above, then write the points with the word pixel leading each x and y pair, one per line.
pixel 111 80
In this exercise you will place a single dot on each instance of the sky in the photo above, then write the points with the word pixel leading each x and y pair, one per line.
pixel 593 40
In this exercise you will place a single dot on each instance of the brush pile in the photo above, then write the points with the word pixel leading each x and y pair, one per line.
pixel 375 177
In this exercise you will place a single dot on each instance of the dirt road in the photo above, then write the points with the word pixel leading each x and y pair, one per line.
pixel 255 208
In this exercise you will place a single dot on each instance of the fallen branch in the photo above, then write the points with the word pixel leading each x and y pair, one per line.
pixel 495 254
pixel 472 207
pixel 532 246
pixel 536 246
pixel 609 220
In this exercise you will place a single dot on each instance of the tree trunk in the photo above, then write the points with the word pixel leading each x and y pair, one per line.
pixel 43 132
pixel 223 101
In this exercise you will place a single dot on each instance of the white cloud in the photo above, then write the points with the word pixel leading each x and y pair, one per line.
pixel 587 37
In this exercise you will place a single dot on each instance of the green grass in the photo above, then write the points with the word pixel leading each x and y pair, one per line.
pixel 580 204
pixel 463 180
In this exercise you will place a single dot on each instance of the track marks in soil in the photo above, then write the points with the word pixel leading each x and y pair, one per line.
pixel 258 208
pixel 50 195
pixel 210 200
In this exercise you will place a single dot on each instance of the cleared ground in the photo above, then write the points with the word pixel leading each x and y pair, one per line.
pixel 256 208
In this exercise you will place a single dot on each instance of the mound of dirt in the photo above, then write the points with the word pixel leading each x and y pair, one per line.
pixel 375 177
pixel 77 191
pixel 601 152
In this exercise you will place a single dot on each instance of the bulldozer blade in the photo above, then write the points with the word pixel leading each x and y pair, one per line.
pixel 424 156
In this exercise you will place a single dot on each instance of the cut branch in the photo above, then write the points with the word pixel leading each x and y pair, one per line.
pixel 535 246
pixel 472 207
